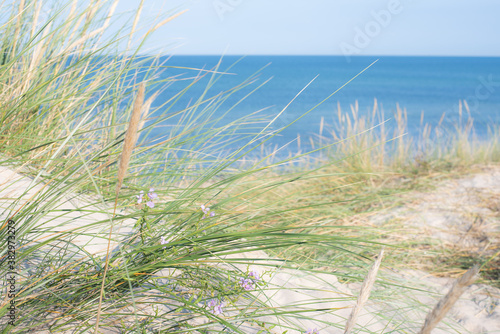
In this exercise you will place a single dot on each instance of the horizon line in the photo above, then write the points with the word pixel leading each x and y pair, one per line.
pixel 325 55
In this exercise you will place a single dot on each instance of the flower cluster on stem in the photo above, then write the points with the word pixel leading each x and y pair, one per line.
pixel 142 223
pixel 248 283
pixel 206 212
pixel 150 197
pixel 216 306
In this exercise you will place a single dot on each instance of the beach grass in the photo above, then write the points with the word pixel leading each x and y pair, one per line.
pixel 184 218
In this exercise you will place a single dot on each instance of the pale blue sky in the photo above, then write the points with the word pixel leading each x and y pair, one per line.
pixel 326 27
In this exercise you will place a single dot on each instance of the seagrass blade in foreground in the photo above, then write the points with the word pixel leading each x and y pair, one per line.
pixel 128 147
pixel 366 288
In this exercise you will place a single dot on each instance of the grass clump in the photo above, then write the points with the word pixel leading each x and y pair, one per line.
pixel 168 264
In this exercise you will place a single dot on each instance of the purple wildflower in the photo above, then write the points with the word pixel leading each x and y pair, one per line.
pixel 139 197
pixel 246 284
pixel 254 274
pixel 312 331
pixel 152 195
pixel 206 212
pixel 216 307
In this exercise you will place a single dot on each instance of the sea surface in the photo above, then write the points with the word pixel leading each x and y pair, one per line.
pixel 433 85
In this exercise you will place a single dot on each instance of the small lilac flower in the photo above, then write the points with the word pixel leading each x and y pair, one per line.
pixel 206 212
pixel 246 284
pixel 312 331
pixel 139 197
pixel 163 242
pixel 152 195
pixel 254 274
pixel 204 209
pixel 216 308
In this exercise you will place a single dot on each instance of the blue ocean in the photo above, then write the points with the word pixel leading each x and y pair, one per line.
pixel 433 85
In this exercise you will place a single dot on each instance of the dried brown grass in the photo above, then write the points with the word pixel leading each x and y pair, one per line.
pixel 446 303
pixel 130 137
pixel 366 289
pixel 128 147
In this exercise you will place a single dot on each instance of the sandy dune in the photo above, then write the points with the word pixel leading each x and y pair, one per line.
pixel 464 210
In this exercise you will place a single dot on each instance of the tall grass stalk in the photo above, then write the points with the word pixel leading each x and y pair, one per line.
pixel 128 146
pixel 364 294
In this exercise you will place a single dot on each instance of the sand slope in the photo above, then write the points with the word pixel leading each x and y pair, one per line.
pixel 448 213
